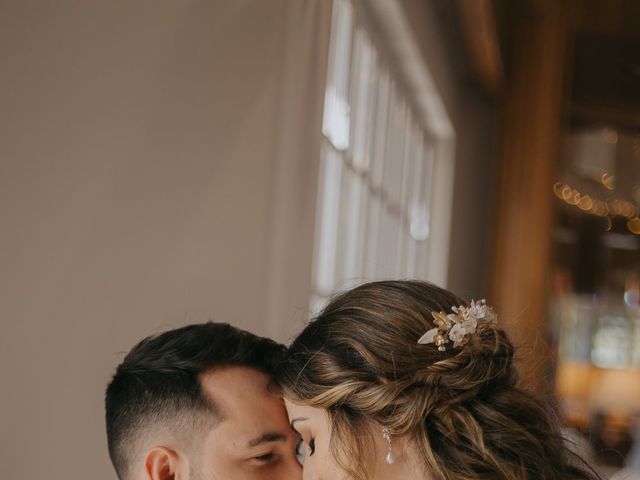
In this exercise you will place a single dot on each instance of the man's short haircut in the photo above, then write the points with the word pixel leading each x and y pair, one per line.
pixel 157 384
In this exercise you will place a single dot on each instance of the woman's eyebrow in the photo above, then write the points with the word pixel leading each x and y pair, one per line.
pixel 299 419
pixel 267 438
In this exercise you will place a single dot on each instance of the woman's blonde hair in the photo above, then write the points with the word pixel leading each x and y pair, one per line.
pixel 360 361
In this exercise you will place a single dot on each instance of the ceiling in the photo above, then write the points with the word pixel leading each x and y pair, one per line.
pixel 605 71
pixel 603 59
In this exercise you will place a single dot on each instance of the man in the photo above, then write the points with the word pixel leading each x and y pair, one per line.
pixel 196 403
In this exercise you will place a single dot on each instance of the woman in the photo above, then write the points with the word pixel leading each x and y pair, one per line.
pixel 394 380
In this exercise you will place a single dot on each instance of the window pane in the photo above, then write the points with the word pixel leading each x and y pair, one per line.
pixel 394 161
pixel 336 120
pixel 352 225
pixel 379 142
pixel 361 101
pixel 371 237
pixel 387 253
pixel 330 174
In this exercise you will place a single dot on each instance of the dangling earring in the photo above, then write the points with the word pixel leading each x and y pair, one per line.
pixel 387 436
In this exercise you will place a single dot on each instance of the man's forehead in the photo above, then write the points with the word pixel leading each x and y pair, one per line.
pixel 252 413
pixel 233 388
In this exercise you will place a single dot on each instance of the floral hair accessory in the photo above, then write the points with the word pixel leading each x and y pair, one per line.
pixel 458 326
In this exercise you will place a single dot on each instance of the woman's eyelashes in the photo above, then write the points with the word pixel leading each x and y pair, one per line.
pixel 312 446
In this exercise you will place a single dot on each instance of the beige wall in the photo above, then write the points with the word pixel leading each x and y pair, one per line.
pixel 141 183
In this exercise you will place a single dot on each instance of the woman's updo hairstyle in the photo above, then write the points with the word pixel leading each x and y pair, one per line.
pixel 360 361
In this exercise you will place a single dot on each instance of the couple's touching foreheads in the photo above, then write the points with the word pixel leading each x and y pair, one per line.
pixel 392 380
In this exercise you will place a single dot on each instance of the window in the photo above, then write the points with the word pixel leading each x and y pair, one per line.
pixel 377 167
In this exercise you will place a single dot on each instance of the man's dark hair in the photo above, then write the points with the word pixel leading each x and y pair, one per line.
pixel 158 381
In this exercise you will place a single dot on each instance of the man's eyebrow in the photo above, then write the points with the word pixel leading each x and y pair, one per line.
pixel 299 419
pixel 267 438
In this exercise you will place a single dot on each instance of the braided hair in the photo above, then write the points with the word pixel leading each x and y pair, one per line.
pixel 463 409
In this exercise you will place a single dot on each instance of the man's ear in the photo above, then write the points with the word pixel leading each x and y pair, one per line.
pixel 162 463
